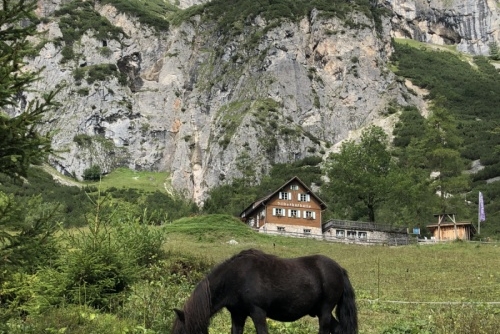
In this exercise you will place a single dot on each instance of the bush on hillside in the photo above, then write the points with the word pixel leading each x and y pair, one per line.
pixel 93 173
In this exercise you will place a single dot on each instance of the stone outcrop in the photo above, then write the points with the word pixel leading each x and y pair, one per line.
pixel 471 25
pixel 201 105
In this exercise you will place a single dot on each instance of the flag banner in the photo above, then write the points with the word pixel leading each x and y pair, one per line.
pixel 482 215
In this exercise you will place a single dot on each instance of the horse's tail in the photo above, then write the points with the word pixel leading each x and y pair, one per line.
pixel 347 313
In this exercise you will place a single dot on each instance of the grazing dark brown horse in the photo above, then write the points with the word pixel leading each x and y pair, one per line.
pixel 258 285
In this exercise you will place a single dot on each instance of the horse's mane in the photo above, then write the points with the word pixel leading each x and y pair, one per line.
pixel 199 306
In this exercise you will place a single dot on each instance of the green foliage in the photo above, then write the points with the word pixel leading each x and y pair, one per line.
pixel 106 52
pixel 74 319
pixel 470 93
pixel 411 125
pixel 494 51
pixel 99 72
pixel 167 285
pixel 230 17
pixel 83 140
pixel 152 13
pixel 77 18
pixel 72 201
pixel 92 173
pixel 361 172
pixel 20 143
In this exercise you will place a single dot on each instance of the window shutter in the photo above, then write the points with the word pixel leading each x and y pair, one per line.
pixel 289 212
pixel 314 215
pixel 274 211
pixel 298 213
pixel 289 196
pixel 298 197
pixel 280 195
pixel 308 197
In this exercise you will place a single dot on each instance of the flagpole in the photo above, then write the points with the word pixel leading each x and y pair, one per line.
pixel 479 221
pixel 480 213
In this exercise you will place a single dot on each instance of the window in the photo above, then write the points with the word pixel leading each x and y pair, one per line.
pixel 294 213
pixel 281 229
pixel 304 197
pixel 340 234
pixel 362 235
pixel 285 195
pixel 294 187
pixel 351 234
pixel 278 212
pixel 307 231
pixel 310 215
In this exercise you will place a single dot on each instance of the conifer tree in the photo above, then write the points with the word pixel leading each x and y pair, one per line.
pixel 20 143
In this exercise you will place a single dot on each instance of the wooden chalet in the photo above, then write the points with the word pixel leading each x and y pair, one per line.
pixel 292 209
pixel 447 228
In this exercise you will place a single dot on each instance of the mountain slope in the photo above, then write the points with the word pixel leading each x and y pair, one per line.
pixel 203 91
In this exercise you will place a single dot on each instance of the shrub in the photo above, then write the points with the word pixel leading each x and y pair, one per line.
pixel 93 173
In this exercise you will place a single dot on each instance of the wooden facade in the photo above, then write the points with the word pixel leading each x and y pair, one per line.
pixel 291 208
pixel 452 231
pixel 447 228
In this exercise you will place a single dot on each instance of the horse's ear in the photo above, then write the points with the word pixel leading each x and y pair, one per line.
pixel 180 314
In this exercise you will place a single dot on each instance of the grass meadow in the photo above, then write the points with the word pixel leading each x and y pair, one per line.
pixel 438 288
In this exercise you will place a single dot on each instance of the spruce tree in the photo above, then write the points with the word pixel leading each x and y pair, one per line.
pixel 20 143
pixel 23 233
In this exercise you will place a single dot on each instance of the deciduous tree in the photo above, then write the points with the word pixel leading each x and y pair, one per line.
pixel 360 174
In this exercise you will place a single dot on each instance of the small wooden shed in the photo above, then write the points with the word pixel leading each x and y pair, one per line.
pixel 447 228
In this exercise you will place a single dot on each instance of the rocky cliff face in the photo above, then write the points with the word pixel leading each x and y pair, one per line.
pixel 205 106
pixel 471 25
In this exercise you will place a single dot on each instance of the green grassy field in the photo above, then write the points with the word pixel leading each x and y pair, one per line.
pixel 127 178
pixel 441 288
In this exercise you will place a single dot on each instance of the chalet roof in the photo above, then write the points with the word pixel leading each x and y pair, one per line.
pixel 363 226
pixel 449 224
pixel 263 201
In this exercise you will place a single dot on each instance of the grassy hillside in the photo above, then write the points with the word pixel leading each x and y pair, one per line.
pixel 131 191
pixel 469 87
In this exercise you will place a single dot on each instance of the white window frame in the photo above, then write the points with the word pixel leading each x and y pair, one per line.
pixel 351 234
pixel 307 231
pixel 362 235
pixel 280 228
pixel 279 212
pixel 293 214
pixel 294 187
pixel 310 215
pixel 304 197
pixel 285 195
pixel 340 234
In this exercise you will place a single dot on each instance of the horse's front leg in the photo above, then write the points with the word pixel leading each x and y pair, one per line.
pixel 237 322
pixel 258 316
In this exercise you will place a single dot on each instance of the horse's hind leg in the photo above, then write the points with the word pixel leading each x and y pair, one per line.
pixel 237 322
pixel 333 325
pixel 326 323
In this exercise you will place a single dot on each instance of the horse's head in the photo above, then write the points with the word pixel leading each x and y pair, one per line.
pixel 184 326
pixel 179 323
